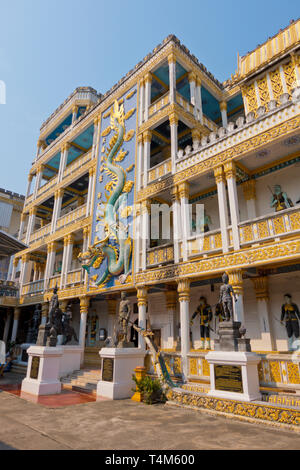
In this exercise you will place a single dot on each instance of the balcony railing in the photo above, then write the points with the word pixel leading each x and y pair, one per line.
pixel 40 233
pixel 210 242
pixel 270 226
pixel 159 104
pixel 80 161
pixel 184 103
pixel 160 255
pixel 33 288
pixel 74 277
pixel 54 281
pixel 72 216
pixel 160 170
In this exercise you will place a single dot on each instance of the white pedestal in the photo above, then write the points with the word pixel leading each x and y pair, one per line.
pixel 43 371
pixel 246 363
pixel 117 367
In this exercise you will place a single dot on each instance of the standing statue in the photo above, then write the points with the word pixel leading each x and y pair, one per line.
pixel 34 323
pixel 226 294
pixel 67 328
pixel 205 316
pixel 53 304
pixel 280 200
pixel 291 316
pixel 124 315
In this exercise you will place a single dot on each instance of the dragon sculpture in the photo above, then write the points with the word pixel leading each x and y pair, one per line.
pixel 115 245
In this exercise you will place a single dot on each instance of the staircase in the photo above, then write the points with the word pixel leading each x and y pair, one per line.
pixel 83 380
pixel 19 368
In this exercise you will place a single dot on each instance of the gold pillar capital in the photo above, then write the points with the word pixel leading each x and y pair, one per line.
pixel 59 193
pixel 249 189
pixel 84 304
pixel 23 217
pixel 219 174
pixel 236 280
pixel 223 105
pixel 140 138
pixel 183 289
pixel 52 246
pixel 191 77
pixel 141 295
pixel 184 190
pixel 261 287
pixel 148 78
pixel 33 211
pixel 198 81
pixel 173 118
pixel 16 262
pixel 172 58
pixel 147 136
pixel 230 169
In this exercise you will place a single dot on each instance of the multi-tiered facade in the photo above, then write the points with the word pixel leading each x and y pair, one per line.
pixel 170 133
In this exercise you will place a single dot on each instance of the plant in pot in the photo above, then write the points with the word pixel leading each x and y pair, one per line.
pixel 150 389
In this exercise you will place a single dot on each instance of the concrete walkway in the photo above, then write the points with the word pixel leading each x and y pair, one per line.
pixel 128 425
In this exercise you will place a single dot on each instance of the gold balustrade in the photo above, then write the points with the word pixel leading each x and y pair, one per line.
pixel 204 243
pixel 54 281
pixel 160 170
pixel 160 255
pixel 80 161
pixel 40 233
pixel 74 277
pixel 34 287
pixel 184 103
pixel 272 226
pixel 159 104
pixel 72 216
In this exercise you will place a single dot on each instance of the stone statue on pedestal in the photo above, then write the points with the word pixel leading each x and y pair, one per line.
pixel 226 294
pixel 68 330
pixel 47 335
pixel 123 320
pixel 290 316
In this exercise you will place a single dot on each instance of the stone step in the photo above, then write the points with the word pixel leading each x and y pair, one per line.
pixel 83 380
pixel 19 369
pixel 86 390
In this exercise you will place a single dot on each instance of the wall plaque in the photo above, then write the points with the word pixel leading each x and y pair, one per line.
pixel 35 365
pixel 107 369
pixel 228 378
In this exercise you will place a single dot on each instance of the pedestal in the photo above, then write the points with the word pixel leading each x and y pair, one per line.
pixel 43 371
pixel 234 375
pixel 117 367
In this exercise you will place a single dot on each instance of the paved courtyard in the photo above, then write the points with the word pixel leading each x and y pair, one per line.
pixel 128 425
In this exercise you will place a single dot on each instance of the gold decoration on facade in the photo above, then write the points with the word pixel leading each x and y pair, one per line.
pixel 129 135
pixel 276 84
pixel 129 113
pixel 250 96
pixel 290 76
pixel 263 91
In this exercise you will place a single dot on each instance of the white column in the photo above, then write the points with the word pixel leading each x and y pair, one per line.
pixel 148 80
pixel 31 224
pixel 38 180
pixel 17 312
pixel 173 118
pixel 30 176
pixel 35 271
pixel 146 206
pixel 63 160
pixel 183 289
pixel 185 217
pixel 141 101
pixel 63 264
pixel 250 198
pixel 223 109
pixel 230 173
pixel 147 136
pixel 7 326
pixel 138 234
pixel 84 308
pixel 171 298
pixel 14 269
pixel 192 82
pixel 236 280
pixel 172 77
pixel 260 285
pixel 222 203
pixel 177 233
pixel 58 195
pixel 69 254
pixel 96 136
pixel 92 175
pixel 51 251
pixel 142 292
pixel 22 224
pixel 74 113
pixel 139 168
pixel 198 98
pixel 24 274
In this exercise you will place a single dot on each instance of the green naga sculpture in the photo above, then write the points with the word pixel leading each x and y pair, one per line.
pixel 116 244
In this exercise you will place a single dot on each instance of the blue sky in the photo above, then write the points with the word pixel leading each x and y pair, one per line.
pixel 49 47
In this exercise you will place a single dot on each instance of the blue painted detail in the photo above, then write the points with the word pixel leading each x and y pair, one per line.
pixel 59 129
pixel 235 105
pixel 210 105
